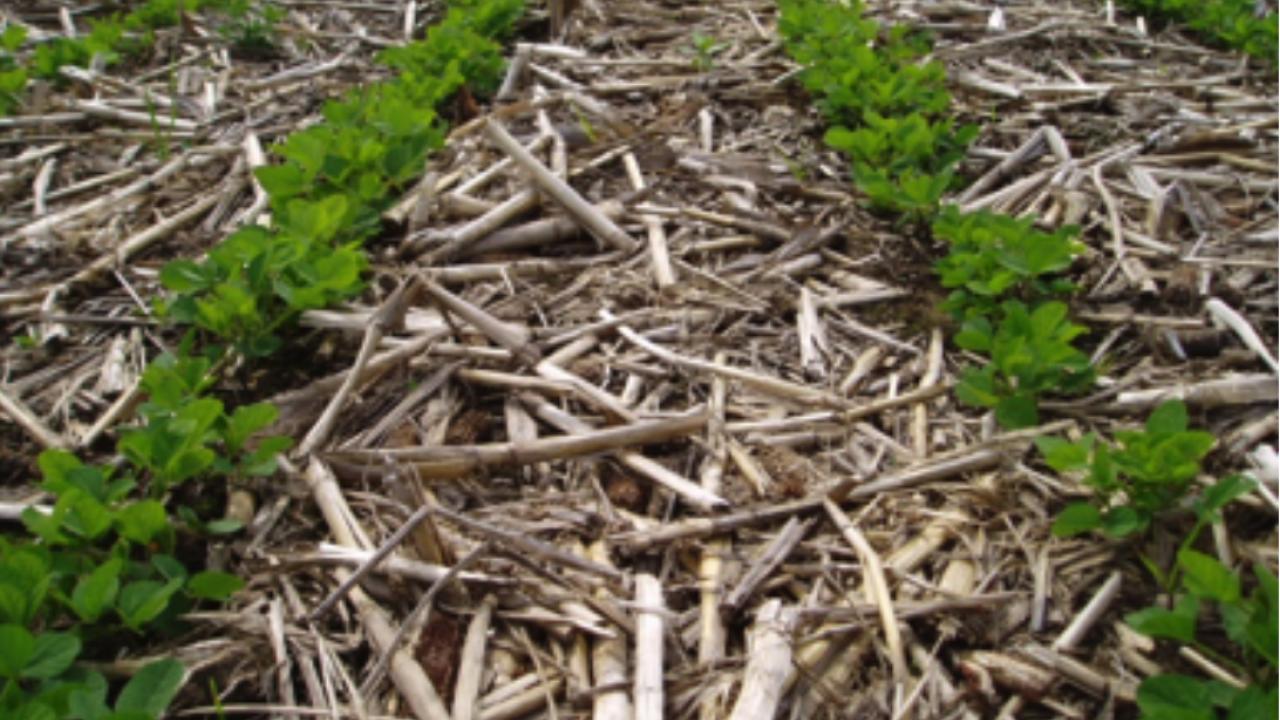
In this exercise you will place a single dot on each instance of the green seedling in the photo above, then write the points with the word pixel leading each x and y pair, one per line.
pixel 996 256
pixel 13 78
pixel 705 49
pixel 1250 623
pixel 466 40
pixel 248 25
pixel 1145 473
pixel 885 107
pixel 1031 354
pixel 1233 23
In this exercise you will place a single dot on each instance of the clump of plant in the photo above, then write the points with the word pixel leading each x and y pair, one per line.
pixel 1239 24
pixel 101 44
pixel 904 163
pixel 258 280
pixel 248 25
pixel 705 49
pixel 466 39
pixel 1137 481
pixel 13 78
pixel 994 256
pixel 1143 474
pixel 886 108
pixel 336 179
pixel 1249 624
pixel 1031 353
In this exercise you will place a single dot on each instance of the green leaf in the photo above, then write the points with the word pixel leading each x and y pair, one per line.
pixel 54 652
pixel 24 581
pixel 55 466
pixel 185 276
pixel 1177 624
pixel 142 601
pixel 152 688
pixel 1221 493
pixel 1075 519
pixel 1017 411
pixel 34 710
pixel 89 700
pixel 245 421
pixel 223 526
pixel 1254 703
pixel 977 387
pixel 1175 697
pixel 17 648
pixel 142 521
pixel 211 585
pixel 1170 417
pixel 95 592
pixel 1064 455
pixel 86 516
pixel 282 181
pixel 1123 521
pixel 1206 578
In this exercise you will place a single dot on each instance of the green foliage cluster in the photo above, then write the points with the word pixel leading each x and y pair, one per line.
pixel 1147 474
pixel 1031 353
pixel 992 256
pixel 1234 23
pixel 335 180
pixel 1004 276
pixel 888 111
pixel 705 48
pixel 13 77
pixel 102 564
pixel 249 23
pixel 1250 624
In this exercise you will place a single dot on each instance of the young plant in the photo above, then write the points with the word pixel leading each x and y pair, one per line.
pixel 1145 473
pixel 257 280
pixel 903 164
pixel 1031 354
pixel 466 40
pixel 705 49
pixel 13 79
pixel 1240 24
pixel 248 25
pixel 1250 624
pixel 995 256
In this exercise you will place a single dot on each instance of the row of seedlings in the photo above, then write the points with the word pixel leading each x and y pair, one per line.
pixel 888 113
pixel 103 563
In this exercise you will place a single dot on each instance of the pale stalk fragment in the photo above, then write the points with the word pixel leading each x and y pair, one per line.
pixel 689 491
pixel 768 663
pixel 712 634
pixel 442 462
pixel 608 661
pixel 466 691
pixel 406 673
pixel 877 588
pixel 514 338
pixel 647 688
pixel 559 190
pixel 35 427
pixel 1090 614
pixel 659 255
